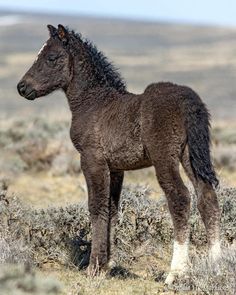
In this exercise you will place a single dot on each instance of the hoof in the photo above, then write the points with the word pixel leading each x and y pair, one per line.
pixel 170 279
pixel 111 264
pixel 174 275
pixel 92 271
pixel 95 269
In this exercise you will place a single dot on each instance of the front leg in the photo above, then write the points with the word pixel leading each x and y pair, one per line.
pixel 116 180
pixel 97 176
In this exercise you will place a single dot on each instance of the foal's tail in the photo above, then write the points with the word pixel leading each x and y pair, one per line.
pixel 198 138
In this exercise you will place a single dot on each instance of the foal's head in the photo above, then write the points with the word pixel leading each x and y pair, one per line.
pixel 52 68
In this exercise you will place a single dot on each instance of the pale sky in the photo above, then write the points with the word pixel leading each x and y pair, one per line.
pixel 216 12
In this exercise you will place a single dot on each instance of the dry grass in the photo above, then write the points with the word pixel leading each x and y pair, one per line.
pixel 59 238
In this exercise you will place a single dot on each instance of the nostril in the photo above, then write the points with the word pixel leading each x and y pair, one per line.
pixel 21 87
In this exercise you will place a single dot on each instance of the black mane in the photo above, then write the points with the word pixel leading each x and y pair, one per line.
pixel 104 71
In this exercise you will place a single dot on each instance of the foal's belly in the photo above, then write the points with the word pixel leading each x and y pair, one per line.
pixel 128 157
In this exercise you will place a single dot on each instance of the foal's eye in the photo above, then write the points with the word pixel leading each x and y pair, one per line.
pixel 52 57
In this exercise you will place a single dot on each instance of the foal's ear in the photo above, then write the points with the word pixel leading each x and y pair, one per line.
pixel 63 34
pixel 52 31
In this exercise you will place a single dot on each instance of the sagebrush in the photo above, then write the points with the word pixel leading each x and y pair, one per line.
pixel 63 235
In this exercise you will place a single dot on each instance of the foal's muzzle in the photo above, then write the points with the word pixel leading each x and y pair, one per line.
pixel 26 90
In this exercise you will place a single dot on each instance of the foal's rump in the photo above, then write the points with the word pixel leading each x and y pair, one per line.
pixel 174 116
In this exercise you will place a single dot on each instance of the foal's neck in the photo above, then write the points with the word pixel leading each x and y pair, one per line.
pixel 81 85
pixel 91 72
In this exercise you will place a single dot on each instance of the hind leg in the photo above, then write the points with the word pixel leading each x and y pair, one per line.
pixel 179 205
pixel 208 207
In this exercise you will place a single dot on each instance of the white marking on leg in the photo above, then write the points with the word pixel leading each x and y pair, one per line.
pixel 180 256
pixel 179 261
pixel 215 250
